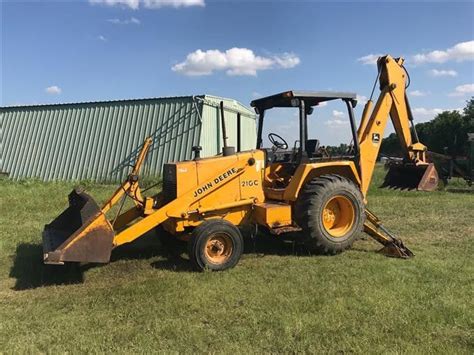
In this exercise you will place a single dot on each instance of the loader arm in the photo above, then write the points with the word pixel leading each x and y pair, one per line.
pixel 392 102
pixel 180 206
pixel 84 234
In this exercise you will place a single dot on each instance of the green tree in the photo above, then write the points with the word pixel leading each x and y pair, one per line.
pixel 340 150
pixel 447 132
pixel 444 133
pixel 468 112
pixel 391 146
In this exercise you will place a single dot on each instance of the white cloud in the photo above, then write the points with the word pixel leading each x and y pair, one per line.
pixel 438 73
pixel 422 114
pixel 289 125
pixel 102 38
pixel 133 4
pixel 150 4
pixel 370 59
pixel 234 61
pixel 361 99
pixel 463 90
pixel 427 111
pixel 286 60
pixel 418 93
pixel 156 4
pixel 53 90
pixel 130 21
pixel 459 52
pixel 322 104
pixel 335 121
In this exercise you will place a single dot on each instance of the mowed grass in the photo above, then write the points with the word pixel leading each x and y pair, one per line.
pixel 278 299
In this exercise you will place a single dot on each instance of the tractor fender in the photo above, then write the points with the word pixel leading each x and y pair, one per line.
pixel 306 172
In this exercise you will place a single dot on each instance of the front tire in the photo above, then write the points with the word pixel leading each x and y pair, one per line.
pixel 330 210
pixel 215 245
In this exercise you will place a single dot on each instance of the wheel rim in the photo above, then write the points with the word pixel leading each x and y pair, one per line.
pixel 338 216
pixel 219 248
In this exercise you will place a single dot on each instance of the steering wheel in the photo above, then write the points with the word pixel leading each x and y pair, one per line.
pixel 277 141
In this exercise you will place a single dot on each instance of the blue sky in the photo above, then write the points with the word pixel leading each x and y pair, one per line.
pixel 71 51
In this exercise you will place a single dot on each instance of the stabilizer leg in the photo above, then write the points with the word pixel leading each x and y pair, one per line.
pixel 392 245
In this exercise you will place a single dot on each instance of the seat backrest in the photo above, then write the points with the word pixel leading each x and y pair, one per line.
pixel 312 146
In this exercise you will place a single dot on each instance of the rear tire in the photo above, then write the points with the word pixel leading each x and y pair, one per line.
pixel 215 245
pixel 330 210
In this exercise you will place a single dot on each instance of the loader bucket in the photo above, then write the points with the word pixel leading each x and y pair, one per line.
pixel 410 176
pixel 81 233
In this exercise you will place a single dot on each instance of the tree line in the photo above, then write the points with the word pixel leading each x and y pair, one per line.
pixel 447 133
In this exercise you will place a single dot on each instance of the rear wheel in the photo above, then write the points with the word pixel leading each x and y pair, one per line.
pixel 215 245
pixel 330 210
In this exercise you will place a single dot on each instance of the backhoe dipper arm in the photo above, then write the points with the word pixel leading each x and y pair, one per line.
pixel 391 102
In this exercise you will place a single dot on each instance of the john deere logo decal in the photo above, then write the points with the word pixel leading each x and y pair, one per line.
pixel 201 189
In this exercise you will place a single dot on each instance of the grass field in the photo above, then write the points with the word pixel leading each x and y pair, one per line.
pixel 276 300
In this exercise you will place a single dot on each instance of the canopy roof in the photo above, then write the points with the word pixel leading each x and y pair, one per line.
pixel 311 98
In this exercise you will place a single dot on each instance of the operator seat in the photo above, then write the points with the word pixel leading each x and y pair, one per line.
pixel 312 147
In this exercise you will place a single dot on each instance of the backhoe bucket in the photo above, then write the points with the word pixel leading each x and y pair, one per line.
pixel 81 233
pixel 411 176
pixel 396 249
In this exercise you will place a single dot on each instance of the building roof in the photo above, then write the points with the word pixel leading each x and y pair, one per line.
pixel 99 102
pixel 230 103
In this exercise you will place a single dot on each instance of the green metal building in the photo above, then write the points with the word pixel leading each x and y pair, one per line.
pixel 99 140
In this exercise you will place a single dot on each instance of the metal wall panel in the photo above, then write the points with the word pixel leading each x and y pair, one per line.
pixel 96 141
pixel 99 140
pixel 211 138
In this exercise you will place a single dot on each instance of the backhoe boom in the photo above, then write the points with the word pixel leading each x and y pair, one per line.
pixel 392 102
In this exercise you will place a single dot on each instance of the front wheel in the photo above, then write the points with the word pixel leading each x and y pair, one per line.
pixel 330 210
pixel 215 245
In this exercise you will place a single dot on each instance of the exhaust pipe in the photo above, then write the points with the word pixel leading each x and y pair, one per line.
pixel 226 150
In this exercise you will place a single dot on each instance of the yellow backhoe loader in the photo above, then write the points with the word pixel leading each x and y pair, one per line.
pixel 205 201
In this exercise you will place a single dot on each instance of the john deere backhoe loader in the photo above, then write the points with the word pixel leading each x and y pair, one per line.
pixel 319 198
